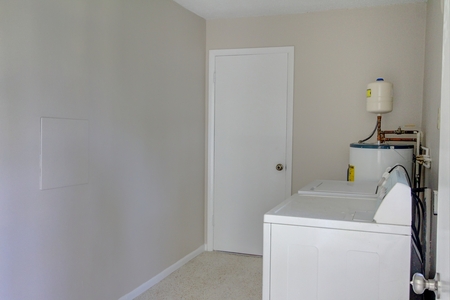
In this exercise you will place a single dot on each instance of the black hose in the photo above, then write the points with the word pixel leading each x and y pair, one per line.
pixel 373 132
pixel 407 175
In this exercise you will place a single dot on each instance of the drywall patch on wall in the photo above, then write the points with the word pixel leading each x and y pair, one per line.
pixel 64 152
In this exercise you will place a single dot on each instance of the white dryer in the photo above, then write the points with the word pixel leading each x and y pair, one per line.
pixel 341 188
pixel 340 248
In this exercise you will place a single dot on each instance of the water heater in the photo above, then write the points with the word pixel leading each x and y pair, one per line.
pixel 369 161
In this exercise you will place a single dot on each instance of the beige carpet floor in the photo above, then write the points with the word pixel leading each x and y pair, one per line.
pixel 211 276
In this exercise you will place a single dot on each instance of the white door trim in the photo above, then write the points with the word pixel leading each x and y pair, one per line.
pixel 211 125
pixel 443 219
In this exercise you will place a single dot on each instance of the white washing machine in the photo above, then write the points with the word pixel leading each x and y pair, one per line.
pixel 340 248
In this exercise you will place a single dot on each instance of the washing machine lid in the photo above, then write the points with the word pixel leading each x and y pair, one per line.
pixel 332 212
pixel 340 188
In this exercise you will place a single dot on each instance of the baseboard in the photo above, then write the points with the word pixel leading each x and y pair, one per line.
pixel 142 288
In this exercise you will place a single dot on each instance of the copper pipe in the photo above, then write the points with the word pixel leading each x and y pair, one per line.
pixel 400 139
pixel 390 131
pixel 380 135
pixel 399 131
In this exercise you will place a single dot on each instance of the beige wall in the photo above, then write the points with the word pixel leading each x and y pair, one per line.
pixel 337 53
pixel 135 70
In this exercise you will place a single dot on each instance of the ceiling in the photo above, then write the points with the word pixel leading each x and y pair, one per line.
pixel 220 9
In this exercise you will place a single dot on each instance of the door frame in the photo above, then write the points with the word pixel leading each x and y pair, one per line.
pixel 443 226
pixel 213 54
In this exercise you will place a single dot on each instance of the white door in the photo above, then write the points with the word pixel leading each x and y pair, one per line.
pixel 250 134
pixel 443 231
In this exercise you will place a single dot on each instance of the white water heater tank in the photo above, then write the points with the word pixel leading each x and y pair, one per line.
pixel 380 96
pixel 370 161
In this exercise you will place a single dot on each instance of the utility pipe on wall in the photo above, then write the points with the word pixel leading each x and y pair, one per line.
pixel 381 134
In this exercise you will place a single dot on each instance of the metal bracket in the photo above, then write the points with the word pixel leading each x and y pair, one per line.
pixel 425 158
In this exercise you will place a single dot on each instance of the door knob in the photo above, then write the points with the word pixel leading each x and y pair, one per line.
pixel 279 167
pixel 420 284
